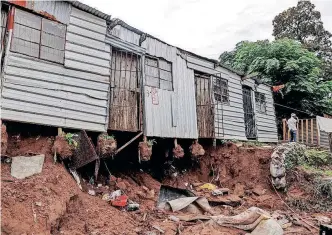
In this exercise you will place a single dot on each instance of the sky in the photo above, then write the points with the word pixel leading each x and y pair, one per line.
pixel 205 27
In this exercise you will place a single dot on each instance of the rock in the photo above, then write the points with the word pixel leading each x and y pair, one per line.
pixel 239 190
pixel 121 185
pixel 38 204
pixel 174 218
pixel 23 167
pixel 92 192
pixel 268 227
pixel 258 190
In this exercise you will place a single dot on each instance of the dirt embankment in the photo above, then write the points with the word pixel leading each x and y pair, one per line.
pixel 52 203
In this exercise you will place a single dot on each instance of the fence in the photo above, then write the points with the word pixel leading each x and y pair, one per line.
pixel 308 133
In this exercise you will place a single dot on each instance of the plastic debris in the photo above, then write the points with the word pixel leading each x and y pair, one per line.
pixel 220 192
pixel 132 206
pixel 208 186
pixel 174 218
pixel 120 201
pixel 92 192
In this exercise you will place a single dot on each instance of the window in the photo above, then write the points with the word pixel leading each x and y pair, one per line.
pixel 38 37
pixel 158 73
pixel 220 90
pixel 260 102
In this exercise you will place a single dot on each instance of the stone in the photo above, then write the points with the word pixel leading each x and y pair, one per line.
pixel 23 167
pixel 38 204
pixel 259 191
pixel 239 190
pixel 121 185
pixel 268 227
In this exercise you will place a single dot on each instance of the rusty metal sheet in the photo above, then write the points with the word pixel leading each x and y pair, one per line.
pixel 85 152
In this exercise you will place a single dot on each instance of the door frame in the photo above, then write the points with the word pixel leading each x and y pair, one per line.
pixel 252 98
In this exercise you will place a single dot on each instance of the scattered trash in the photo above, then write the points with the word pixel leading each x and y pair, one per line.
pixel 132 206
pixel 92 192
pixel 268 227
pixel 120 201
pixel 208 186
pixel 220 192
pixel 23 167
pixel 99 185
pixel 76 177
pixel 159 229
pixel 322 219
pixel 112 196
pixel 174 218
pixel 106 145
pixel 193 205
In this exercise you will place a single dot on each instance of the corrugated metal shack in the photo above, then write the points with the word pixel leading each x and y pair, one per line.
pixel 69 65
pixel 56 69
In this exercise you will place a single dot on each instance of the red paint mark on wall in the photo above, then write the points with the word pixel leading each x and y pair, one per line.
pixel 10 22
pixel 19 3
pixel 154 96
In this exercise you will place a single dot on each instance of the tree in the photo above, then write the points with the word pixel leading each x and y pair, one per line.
pixel 287 62
pixel 303 23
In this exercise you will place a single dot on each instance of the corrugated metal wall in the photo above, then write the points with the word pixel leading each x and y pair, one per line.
pixel 59 9
pixel 231 119
pixel 42 92
pixel 171 113
pixel 3 26
pixel 85 43
pixel 265 122
pixel 324 139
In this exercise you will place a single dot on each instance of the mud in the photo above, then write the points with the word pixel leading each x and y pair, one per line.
pixel 106 145
pixel 178 151
pixel 52 203
pixel 145 151
pixel 4 139
pixel 62 148
pixel 196 150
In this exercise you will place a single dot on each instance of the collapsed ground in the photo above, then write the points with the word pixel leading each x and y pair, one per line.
pixel 52 203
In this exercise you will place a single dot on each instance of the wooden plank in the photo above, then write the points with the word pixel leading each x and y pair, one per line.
pixel 306 131
pixel 284 129
pixel 302 127
pixel 312 131
pixel 318 134
pixel 59 131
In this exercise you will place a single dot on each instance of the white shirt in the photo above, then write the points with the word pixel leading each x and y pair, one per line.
pixel 292 124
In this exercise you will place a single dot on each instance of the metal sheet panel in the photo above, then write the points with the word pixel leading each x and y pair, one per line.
pixel 125 34
pixel 266 122
pixel 59 9
pixel 41 92
pixel 324 139
pixel 85 44
pixel 162 107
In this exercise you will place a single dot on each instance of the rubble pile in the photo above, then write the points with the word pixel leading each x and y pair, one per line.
pixel 223 196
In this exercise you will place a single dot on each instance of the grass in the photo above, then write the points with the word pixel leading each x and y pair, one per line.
pixel 313 169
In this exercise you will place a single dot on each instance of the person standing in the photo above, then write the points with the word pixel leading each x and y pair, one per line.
pixel 292 126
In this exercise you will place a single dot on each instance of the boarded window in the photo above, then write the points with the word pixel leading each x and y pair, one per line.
pixel 260 102
pixel 158 73
pixel 220 89
pixel 38 37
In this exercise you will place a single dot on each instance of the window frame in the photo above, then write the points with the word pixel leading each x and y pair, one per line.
pixel 222 90
pixel 157 59
pixel 260 102
pixel 40 44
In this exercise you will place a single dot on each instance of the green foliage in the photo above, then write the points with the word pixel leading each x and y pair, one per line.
pixel 323 187
pixel 317 157
pixel 109 137
pixel 294 155
pixel 151 142
pixel 303 23
pixel 70 140
pixel 287 62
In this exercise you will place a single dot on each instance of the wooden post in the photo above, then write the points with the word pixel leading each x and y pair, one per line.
pixel 144 139
pixel 306 130
pixel 284 129
pixel 302 127
pixel 318 134
pixel 288 135
pixel 297 132
pixel 175 142
pixel 59 131
pixel 312 131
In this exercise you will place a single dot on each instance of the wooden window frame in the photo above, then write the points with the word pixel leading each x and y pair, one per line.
pixel 40 45
pixel 159 68
pixel 221 91
pixel 260 102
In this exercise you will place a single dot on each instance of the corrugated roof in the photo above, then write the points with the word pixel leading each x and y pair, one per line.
pixel 135 30
pixel 90 10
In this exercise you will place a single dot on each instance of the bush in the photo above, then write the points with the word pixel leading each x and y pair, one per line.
pixel 317 158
